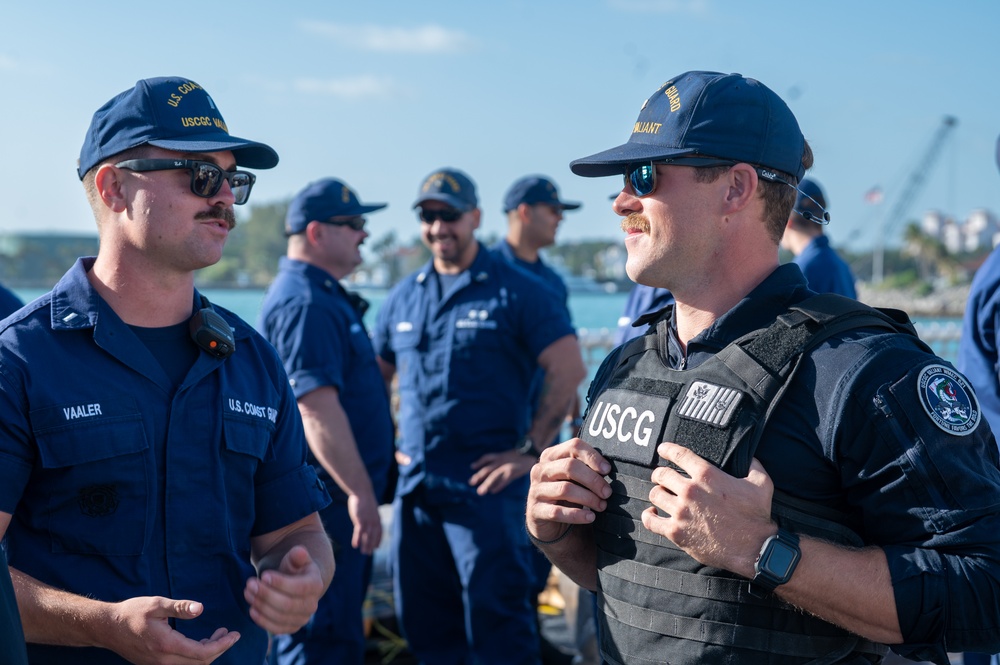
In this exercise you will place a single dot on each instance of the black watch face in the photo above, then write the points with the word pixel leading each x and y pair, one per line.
pixel 780 559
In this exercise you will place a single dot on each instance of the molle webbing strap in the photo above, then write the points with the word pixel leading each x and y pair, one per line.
pixel 726 634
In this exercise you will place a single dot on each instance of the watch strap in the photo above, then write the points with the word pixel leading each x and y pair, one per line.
pixel 783 548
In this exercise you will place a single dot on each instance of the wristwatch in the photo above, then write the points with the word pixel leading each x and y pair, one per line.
pixel 526 446
pixel 779 555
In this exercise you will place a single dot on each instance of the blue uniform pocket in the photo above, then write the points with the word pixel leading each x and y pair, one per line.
pixel 404 347
pixel 247 444
pixel 946 472
pixel 95 478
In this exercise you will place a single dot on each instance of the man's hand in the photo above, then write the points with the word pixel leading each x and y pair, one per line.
pixel 717 519
pixel 494 471
pixel 367 523
pixel 138 631
pixel 282 600
pixel 567 486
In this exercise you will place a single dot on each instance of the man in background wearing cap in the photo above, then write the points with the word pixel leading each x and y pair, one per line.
pixel 806 516
pixel 154 462
pixel 534 212
pixel 466 334
pixel 824 270
pixel 318 330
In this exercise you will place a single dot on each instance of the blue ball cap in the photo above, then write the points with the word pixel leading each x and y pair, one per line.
pixel 168 112
pixel 449 186
pixel 533 190
pixel 322 200
pixel 809 189
pixel 711 114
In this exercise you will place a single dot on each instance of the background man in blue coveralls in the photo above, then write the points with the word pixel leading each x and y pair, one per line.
pixel 534 212
pixel 149 475
pixel 874 434
pixel 978 356
pixel 979 348
pixel 825 271
pixel 466 335
pixel 9 302
pixel 641 300
pixel 317 328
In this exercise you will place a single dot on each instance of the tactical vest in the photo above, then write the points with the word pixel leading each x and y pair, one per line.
pixel 658 604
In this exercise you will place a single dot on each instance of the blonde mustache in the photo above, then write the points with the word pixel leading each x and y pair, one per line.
pixel 635 222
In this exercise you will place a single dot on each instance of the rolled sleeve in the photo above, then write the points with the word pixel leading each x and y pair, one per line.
pixel 284 500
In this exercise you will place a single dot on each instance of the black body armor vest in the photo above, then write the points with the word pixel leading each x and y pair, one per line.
pixel 658 604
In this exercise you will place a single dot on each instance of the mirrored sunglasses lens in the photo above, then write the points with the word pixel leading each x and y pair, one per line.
pixel 240 183
pixel 641 178
pixel 206 179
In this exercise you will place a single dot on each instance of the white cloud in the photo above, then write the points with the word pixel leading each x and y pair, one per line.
pixel 422 39
pixel 353 88
pixel 662 6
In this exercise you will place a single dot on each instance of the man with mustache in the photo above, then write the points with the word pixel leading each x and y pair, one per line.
pixel 154 490
pixel 466 334
pixel 318 330
pixel 770 475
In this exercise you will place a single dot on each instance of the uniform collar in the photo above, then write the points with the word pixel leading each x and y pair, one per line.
pixel 482 267
pixel 314 274
pixel 507 251
pixel 76 305
pixel 75 302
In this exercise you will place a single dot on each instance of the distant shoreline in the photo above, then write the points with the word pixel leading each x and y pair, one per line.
pixel 943 303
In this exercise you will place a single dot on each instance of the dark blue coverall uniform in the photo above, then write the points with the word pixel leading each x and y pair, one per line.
pixel 465 361
pixel 320 336
pixel 540 565
pixel 825 271
pixel 120 486
pixel 642 300
pixel 978 350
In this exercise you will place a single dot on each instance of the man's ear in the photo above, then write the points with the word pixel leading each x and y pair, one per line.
pixel 742 183
pixel 524 213
pixel 110 186
pixel 314 230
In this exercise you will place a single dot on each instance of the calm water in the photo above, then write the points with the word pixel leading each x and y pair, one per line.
pixel 594 314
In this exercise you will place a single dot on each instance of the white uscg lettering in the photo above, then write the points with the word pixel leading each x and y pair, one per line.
pixel 612 422
pixel 626 425
pixel 82 411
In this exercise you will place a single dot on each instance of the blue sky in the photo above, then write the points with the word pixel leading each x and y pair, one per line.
pixel 381 93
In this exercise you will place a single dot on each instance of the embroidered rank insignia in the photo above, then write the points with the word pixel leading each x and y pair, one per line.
pixel 948 399
pixel 709 403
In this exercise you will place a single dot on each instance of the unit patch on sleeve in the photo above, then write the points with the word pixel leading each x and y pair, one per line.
pixel 948 399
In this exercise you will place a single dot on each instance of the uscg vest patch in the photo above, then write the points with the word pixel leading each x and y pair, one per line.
pixel 948 399
pixel 627 425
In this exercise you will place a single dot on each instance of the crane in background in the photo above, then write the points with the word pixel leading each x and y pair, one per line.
pixel 910 191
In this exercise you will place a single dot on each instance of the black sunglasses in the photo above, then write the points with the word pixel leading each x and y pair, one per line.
pixel 357 222
pixel 642 177
pixel 446 216
pixel 206 177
